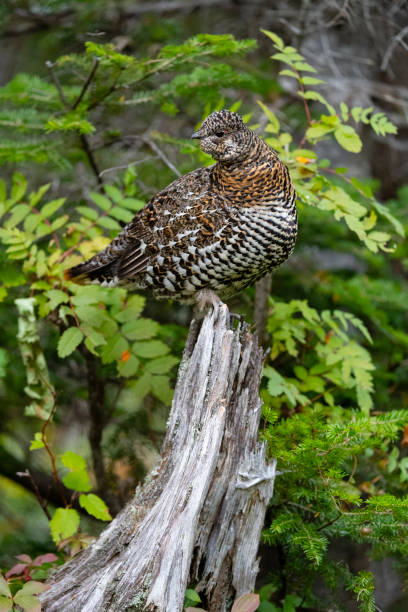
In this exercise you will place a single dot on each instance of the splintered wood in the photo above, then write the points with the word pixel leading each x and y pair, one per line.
pixel 197 519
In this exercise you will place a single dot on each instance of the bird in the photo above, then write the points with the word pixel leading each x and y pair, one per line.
pixel 217 229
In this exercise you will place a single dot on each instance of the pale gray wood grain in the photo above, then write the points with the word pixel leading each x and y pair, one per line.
pixel 197 519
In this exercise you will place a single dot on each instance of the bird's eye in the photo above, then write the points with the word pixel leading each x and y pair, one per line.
pixel 219 134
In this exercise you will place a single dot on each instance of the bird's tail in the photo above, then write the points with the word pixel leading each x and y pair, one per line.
pixel 89 272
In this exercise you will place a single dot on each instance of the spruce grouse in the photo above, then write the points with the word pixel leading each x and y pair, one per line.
pixel 219 228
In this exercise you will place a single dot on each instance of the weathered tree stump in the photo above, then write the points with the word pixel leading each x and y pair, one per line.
pixel 197 519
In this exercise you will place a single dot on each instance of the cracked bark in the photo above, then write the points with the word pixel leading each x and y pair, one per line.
pixel 198 517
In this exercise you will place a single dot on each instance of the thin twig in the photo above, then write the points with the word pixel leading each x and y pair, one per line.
pixel 397 39
pixel 46 446
pixel 125 166
pixel 56 82
pixel 86 84
pixel 163 156
pixel 88 151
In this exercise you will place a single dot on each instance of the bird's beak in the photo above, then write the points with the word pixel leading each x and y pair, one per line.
pixel 196 135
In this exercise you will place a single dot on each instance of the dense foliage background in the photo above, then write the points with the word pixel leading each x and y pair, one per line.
pixel 97 103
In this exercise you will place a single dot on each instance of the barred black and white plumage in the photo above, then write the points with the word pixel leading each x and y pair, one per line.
pixel 219 228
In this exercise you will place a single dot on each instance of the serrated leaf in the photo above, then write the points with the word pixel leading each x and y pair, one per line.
pixel 78 481
pixel 162 390
pixel 29 603
pixel 95 506
pixel 248 602
pixel 383 211
pixel 132 203
pixel 37 442
pixel 273 121
pixel 101 200
pixel 348 138
pixel 87 212
pixel 108 223
pixel 4 587
pixel 152 348
pixel 308 80
pixel 113 348
pixel 114 193
pixel 141 329
pixel 64 524
pixel 129 367
pixel 142 386
pixel 122 214
pixel 33 587
pixel 51 207
pixel 289 73
pixel 73 461
pixel 56 297
pixel 275 38
pixel 192 596
pixel 69 340
pixel 161 365
pixel 5 604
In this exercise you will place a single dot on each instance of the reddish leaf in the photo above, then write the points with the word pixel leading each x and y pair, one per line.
pixel 47 558
pixel 246 603
pixel 16 570
pixel 25 558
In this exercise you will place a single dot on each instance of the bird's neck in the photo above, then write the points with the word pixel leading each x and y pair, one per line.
pixel 253 180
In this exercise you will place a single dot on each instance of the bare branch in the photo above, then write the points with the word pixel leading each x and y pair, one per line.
pixel 87 83
pixel 160 153
pixel 397 39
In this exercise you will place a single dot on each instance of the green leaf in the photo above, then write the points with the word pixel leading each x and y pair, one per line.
pixel 191 598
pixel 122 214
pixel 108 223
pixel 37 442
pixel 129 367
pixel 56 297
pixel 101 200
pixel 142 386
pixel 64 524
pixel 33 587
pixel 318 131
pixel 348 138
pixel 308 80
pixel 29 603
pixel 278 42
pixel 316 96
pixel 4 587
pixel 95 506
pixel 289 73
pixel 140 329
pixel 152 348
pixel 69 340
pixel 51 207
pixel 161 365
pixel 134 307
pixel 87 212
pixel 73 461
pixel 5 603
pixel 383 211
pixel 162 390
pixel 78 481
pixel 113 349
pixel 273 121
pixel 132 203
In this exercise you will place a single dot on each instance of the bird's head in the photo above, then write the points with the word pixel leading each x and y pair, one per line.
pixel 225 137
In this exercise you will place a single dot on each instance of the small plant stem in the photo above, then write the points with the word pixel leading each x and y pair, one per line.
pixel 86 84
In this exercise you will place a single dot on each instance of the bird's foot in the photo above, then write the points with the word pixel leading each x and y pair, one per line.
pixel 204 299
